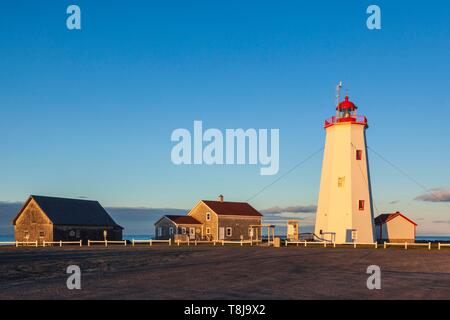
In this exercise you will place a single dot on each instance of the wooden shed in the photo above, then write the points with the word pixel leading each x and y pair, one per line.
pixel 58 219
pixel 395 227
pixel 178 228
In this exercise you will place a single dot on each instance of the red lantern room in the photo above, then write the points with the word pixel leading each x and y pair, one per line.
pixel 346 112
pixel 346 109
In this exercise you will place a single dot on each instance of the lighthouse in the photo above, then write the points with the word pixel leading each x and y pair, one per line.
pixel 345 211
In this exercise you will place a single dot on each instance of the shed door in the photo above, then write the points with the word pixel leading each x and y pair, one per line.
pixel 221 233
pixel 192 233
pixel 291 230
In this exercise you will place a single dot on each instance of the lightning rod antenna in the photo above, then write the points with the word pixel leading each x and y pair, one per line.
pixel 338 93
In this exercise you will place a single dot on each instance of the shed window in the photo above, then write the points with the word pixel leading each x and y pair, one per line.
pixel 159 232
pixel 361 205
pixel 229 232
pixel 171 231
pixel 341 182
pixel 183 230
pixel 358 154
pixel 41 234
pixel 208 231
pixel 208 216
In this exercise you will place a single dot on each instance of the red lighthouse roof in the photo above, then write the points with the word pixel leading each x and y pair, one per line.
pixel 346 104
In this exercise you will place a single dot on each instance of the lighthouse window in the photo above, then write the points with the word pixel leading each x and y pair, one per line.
pixel 341 182
pixel 361 205
pixel 358 154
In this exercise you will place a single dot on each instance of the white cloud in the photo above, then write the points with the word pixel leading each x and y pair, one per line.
pixel 435 195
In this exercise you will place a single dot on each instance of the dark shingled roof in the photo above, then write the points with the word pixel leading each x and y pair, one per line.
pixel 183 220
pixel 232 208
pixel 74 212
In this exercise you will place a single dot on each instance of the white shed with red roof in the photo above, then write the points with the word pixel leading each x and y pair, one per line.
pixel 395 227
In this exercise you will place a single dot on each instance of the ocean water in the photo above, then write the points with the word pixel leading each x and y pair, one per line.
pixel 137 237
pixel 6 238
pixel 433 238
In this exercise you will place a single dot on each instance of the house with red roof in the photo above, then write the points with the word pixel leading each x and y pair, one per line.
pixel 212 220
pixel 395 227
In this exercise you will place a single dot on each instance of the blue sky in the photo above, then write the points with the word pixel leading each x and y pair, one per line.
pixel 90 113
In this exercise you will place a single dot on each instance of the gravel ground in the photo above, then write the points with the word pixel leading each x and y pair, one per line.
pixel 223 273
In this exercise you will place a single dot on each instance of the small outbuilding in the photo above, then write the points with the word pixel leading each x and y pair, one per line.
pixel 178 228
pixel 59 219
pixel 395 227
pixel 292 230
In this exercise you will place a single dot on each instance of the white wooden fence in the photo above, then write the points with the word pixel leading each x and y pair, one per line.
pixel 325 244
pixel 8 243
pixel 27 243
pixel 217 242
pixel 61 243
pixel 150 242
pixel 356 244
pixel 106 242
pixel 306 243
pixel 406 245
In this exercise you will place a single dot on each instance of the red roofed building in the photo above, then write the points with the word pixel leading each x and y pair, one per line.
pixel 395 227
pixel 212 220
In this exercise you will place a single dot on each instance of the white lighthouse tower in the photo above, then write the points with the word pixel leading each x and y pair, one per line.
pixel 344 212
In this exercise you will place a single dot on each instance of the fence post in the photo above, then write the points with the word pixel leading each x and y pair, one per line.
pixel 125 242
pixel 354 245
pixel 151 242
pixel 439 246
pixel 170 241
pixel 334 244
pixel 324 244
pixel 60 243
pixel 241 243
pixel 106 243
pixel 81 243
pixel 406 245
pixel 376 245
pixel 89 243
pixel 223 242
pixel 305 244
pixel 43 244
pixel 384 245
pixel 37 244
pixel 429 245
pixel 17 244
